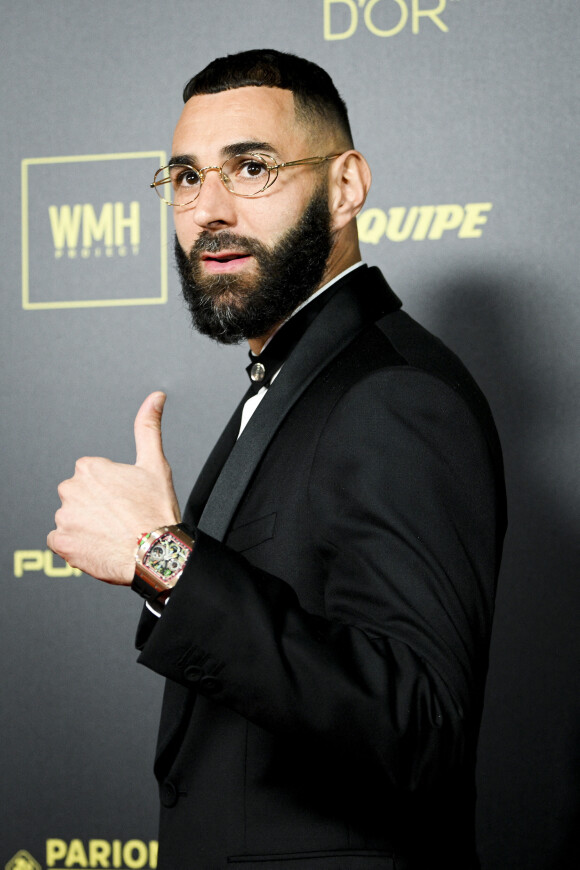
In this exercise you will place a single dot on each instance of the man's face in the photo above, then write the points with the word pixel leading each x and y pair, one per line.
pixel 245 264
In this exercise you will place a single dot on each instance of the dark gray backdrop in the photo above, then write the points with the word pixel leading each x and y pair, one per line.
pixel 474 104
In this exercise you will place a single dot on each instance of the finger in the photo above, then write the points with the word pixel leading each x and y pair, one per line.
pixel 148 441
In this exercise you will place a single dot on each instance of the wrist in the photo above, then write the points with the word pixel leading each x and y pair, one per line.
pixel 160 559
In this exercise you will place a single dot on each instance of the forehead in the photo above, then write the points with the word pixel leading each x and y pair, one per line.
pixel 210 122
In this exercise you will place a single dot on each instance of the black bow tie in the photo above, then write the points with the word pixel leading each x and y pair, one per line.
pixel 263 367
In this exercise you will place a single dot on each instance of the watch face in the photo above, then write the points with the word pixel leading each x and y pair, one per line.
pixel 167 556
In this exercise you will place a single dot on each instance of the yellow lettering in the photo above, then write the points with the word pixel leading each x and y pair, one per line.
pixel 58 252
pixel 55 851
pixel 65 224
pixel 342 34
pixel 393 30
pixel 424 221
pixel 153 851
pixel 122 222
pixel 52 570
pixel 433 14
pixel 85 253
pixel 132 846
pixel 76 855
pixel 28 560
pixel 473 219
pixel 41 560
pixel 116 853
pixel 372 224
pixel 72 253
pixel 135 250
pixel 122 251
pixel 99 853
pixel 97 252
pixel 97 230
pixel 426 213
pixel 394 232
pixel 447 217
pixel 109 252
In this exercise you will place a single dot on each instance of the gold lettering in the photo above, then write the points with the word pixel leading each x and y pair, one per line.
pixel 97 230
pixel 426 213
pixel 28 560
pixel 55 851
pixel 76 855
pixel 122 222
pixel 99 853
pixel 447 217
pixel 433 14
pixel 424 221
pixel 394 30
pixel 473 219
pixel 372 224
pixel 52 570
pixel 132 846
pixel 394 232
pixel 65 225
pixel 153 851
pixel 41 560
pixel 343 34
pixel 116 853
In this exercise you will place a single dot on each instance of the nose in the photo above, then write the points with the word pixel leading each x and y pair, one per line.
pixel 215 206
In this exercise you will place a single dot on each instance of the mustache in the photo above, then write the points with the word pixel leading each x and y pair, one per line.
pixel 210 243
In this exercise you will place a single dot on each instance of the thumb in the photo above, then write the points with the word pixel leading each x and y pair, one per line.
pixel 148 442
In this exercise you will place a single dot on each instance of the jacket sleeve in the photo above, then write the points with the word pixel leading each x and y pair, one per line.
pixel 402 510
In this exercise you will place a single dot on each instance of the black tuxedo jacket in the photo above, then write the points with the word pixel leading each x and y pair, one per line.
pixel 326 647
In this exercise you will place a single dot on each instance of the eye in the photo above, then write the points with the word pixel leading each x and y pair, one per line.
pixel 250 168
pixel 184 177
pixel 246 174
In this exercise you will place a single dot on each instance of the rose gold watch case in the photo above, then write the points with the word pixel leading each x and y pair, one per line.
pixel 149 575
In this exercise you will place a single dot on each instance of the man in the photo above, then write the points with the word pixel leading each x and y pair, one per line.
pixel 323 614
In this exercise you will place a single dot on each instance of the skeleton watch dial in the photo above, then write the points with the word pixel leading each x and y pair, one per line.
pixel 167 556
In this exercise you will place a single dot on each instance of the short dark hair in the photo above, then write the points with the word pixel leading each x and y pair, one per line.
pixel 316 98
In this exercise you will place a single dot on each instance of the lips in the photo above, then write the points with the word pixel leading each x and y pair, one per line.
pixel 225 261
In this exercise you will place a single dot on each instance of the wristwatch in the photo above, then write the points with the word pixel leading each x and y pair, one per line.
pixel 160 559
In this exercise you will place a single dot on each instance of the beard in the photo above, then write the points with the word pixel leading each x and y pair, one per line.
pixel 232 307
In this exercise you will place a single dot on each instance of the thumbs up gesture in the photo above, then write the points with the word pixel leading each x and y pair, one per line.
pixel 106 506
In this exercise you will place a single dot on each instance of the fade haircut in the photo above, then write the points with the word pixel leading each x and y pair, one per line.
pixel 316 99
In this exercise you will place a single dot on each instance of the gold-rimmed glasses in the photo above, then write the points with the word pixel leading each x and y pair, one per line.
pixel 178 184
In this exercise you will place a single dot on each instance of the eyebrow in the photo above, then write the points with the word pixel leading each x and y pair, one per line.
pixel 244 147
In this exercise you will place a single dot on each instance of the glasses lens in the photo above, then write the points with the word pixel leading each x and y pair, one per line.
pixel 246 174
pixel 177 184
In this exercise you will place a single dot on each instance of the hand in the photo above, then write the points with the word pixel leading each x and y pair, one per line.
pixel 107 506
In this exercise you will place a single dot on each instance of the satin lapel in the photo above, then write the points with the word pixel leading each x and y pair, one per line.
pixel 358 300
pixel 178 702
pixel 213 465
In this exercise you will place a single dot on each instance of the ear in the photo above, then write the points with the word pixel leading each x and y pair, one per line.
pixel 350 180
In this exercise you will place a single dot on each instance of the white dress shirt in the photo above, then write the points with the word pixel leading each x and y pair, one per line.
pixel 253 402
